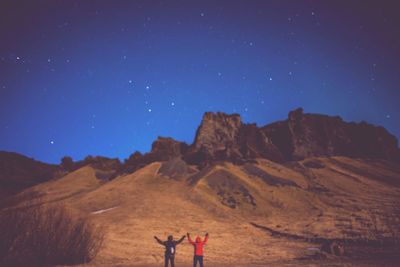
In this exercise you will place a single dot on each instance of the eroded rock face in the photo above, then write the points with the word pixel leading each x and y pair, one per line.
pixel 306 135
pixel 165 148
pixel 216 138
pixel 223 137
pixel 254 143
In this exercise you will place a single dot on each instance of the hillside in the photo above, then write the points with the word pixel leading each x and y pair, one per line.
pixel 280 193
pixel 18 172
pixel 275 211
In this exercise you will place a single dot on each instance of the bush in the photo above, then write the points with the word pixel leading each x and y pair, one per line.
pixel 47 236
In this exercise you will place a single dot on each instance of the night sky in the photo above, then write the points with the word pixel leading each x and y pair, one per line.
pixel 108 77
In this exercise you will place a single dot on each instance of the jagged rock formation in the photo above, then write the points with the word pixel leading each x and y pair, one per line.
pixel 306 135
pixel 223 137
pixel 292 206
pixel 163 149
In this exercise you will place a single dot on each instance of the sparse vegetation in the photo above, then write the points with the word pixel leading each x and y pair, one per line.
pixel 47 236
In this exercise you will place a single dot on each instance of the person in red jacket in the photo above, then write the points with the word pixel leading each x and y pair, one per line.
pixel 198 249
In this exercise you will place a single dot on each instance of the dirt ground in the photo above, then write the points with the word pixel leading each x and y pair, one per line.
pixel 310 263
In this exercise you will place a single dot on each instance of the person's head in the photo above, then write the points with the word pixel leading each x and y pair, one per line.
pixel 170 238
pixel 198 239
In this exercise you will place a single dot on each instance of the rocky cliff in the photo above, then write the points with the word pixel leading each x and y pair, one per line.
pixel 306 135
pixel 222 137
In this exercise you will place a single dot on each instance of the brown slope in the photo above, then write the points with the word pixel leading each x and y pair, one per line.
pixel 319 198
pixel 18 172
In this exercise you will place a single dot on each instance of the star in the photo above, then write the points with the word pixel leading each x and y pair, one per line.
pixel 130 81
pixel 387 116
pixel 270 78
pixel 52 142
pixel 147 87
pixel 172 103
pixel 149 110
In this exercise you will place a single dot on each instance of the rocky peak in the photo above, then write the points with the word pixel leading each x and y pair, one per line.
pixel 223 137
pixel 217 131
pixel 305 135
pixel 165 148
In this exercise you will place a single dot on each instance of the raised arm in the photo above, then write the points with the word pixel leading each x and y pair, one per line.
pixel 180 240
pixel 189 239
pixel 206 238
pixel 159 241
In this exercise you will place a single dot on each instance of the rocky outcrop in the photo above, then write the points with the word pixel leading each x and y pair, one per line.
pixel 223 137
pixel 163 149
pixel 166 148
pixel 216 139
pixel 307 135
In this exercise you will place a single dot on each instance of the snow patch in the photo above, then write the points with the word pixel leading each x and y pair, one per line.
pixel 103 210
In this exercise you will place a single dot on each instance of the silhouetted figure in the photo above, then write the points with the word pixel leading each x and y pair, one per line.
pixel 170 246
pixel 198 249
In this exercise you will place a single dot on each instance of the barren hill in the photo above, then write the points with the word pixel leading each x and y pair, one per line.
pixel 237 183
pixel 18 172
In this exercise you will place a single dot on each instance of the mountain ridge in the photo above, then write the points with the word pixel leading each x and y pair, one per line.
pixel 241 182
pixel 222 137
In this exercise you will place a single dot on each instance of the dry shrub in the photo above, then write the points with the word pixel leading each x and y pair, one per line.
pixel 47 236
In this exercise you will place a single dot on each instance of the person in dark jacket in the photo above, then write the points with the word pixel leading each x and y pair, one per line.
pixel 198 249
pixel 170 248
